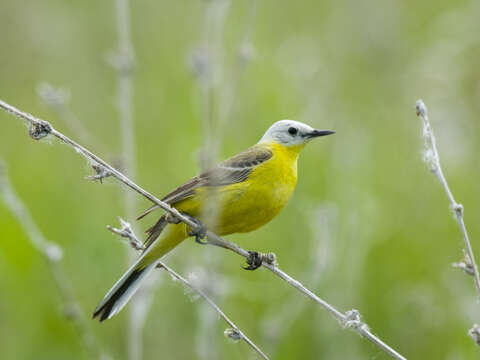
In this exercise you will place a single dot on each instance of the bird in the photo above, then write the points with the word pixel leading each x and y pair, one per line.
pixel 247 191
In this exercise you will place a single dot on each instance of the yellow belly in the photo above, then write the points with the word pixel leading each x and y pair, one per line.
pixel 248 205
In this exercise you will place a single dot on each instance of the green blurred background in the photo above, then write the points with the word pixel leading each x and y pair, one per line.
pixel 368 227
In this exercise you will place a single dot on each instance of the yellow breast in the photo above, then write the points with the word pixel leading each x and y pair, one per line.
pixel 248 205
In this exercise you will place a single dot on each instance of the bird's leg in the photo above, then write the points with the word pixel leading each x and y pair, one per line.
pixel 171 219
pixel 200 232
pixel 254 260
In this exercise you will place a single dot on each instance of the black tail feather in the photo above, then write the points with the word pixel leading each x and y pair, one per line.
pixel 107 305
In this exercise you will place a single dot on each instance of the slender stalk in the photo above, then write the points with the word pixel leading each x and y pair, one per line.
pixel 234 332
pixel 245 53
pixel 52 253
pixel 433 159
pixel 218 94
pixel 276 326
pixel 351 319
pixel 124 63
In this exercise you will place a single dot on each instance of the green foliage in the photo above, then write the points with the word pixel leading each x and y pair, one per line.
pixel 355 67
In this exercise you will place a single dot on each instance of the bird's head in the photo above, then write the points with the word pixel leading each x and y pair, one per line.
pixel 292 133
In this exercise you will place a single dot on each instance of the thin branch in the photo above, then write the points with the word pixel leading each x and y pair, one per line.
pixel 208 65
pixel 53 254
pixel 216 98
pixel 126 232
pixel 123 62
pixel 432 158
pixel 474 333
pixel 245 53
pixel 57 99
pixel 39 129
pixel 233 332
pixel 351 319
pixel 280 320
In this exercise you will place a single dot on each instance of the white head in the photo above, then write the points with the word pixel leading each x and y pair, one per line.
pixel 290 132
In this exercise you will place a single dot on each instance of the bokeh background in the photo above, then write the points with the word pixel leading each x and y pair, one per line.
pixel 368 227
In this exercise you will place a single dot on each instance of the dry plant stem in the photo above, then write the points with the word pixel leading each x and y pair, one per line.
pixel 351 319
pixel 436 168
pixel 474 333
pixel 238 333
pixel 227 92
pixel 216 94
pixel 40 128
pixel 126 232
pixel 123 62
pixel 52 253
pixel 282 319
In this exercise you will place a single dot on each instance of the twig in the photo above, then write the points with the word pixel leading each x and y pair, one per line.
pixel 123 62
pixel 212 281
pixel 465 264
pixel 53 254
pixel 57 99
pixel 217 93
pixel 351 319
pixel 233 332
pixel 245 53
pixel 474 333
pixel 126 232
pixel 432 158
pixel 207 63
pixel 100 173
pixel 280 320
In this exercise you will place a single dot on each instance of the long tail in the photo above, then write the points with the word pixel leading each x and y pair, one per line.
pixel 119 295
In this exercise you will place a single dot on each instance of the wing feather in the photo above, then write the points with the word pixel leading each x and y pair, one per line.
pixel 233 170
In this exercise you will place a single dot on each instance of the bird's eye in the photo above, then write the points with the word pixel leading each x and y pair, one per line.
pixel 292 131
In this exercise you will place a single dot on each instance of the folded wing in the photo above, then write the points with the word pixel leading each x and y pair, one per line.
pixel 233 170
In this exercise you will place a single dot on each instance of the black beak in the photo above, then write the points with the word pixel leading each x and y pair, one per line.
pixel 317 133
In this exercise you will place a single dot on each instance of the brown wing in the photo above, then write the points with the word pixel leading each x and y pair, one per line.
pixel 233 170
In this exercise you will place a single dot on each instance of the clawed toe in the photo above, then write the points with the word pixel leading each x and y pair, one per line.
pixel 199 233
pixel 254 260
pixel 198 237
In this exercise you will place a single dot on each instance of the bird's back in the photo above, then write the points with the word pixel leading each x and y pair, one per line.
pixel 249 204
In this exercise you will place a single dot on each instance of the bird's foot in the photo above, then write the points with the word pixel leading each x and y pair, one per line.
pixel 200 232
pixel 171 219
pixel 254 260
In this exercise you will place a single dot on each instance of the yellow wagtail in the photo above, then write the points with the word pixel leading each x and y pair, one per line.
pixel 249 190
